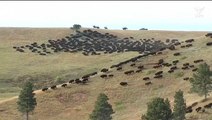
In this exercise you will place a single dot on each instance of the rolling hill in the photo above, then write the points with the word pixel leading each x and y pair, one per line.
pixel 76 101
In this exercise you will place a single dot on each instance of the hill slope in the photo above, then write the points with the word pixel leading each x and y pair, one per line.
pixel 76 101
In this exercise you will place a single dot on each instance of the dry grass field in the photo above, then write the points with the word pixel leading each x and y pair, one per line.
pixel 76 102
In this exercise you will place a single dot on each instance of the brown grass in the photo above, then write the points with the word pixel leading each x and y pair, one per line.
pixel 77 101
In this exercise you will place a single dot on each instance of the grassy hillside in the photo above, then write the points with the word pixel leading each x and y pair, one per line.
pixel 77 101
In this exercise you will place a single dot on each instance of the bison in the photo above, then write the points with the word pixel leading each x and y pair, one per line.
pixel 45 89
pixel 209 43
pixel 71 81
pixel 159 72
pixel 64 85
pixel 158 76
pixel 129 72
pixel 148 83
pixel 186 78
pixel 176 54
pixel 103 76
pixel 198 109
pixel 104 70
pixel 146 78
pixel 123 83
pixel 53 87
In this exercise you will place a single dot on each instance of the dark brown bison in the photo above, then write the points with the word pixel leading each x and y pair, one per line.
pixel 158 76
pixel 186 78
pixel 198 109
pixel 159 53
pixel 161 61
pixel 111 75
pixel 175 61
pixel 170 71
pixel 146 78
pixel 209 43
pixel 53 87
pixel 189 40
pixel 119 68
pixel 195 69
pixel 191 66
pixel 132 64
pixel 45 89
pixel 185 67
pixel 104 70
pixel 64 85
pixel 208 35
pixel 189 45
pixel 157 66
pixel 129 72
pixel 197 61
pixel 186 64
pixel 159 72
pixel 173 68
pixel 148 83
pixel 103 76
pixel 172 47
pixel 176 54
pixel 189 110
pixel 194 104
pixel 208 106
pixel 138 71
pixel 140 67
pixel 71 81
pixel 123 83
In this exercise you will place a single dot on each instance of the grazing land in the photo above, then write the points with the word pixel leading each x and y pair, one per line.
pixel 76 101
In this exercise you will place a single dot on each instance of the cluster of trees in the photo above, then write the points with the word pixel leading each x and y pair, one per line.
pixel 157 109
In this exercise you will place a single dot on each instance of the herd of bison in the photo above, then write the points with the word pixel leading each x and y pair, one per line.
pixel 94 43
pixel 90 42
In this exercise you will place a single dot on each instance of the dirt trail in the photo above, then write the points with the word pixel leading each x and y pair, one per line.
pixel 16 97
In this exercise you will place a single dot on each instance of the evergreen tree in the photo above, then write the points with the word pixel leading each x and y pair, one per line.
pixel 179 106
pixel 76 27
pixel 26 101
pixel 103 109
pixel 158 109
pixel 201 81
pixel 124 28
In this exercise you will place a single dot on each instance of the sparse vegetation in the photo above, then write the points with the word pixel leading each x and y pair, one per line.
pixel 179 74
pixel 183 58
pixel 119 106
pixel 150 72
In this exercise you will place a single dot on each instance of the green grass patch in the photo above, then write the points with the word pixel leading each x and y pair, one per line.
pixel 150 72
pixel 158 87
pixel 179 74
pixel 119 106
pixel 183 58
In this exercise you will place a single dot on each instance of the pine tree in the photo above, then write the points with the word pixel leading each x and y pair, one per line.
pixel 26 101
pixel 158 109
pixel 76 27
pixel 201 81
pixel 179 106
pixel 103 109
